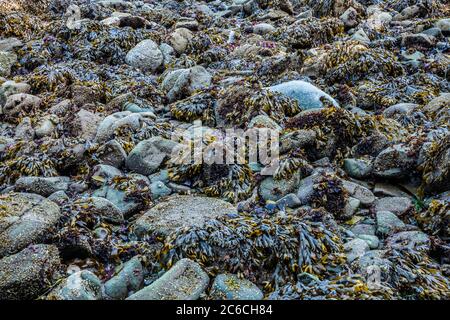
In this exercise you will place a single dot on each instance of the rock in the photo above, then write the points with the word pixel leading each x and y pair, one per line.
pixel 444 25
pixel 159 189
pixel 388 190
pixel 263 121
pixel 149 154
pixel 25 218
pixel 112 153
pixel 307 95
pixel 9 44
pixel 46 126
pixel 372 241
pixel 397 205
pixel 274 189
pixel 168 53
pixel 357 168
pixel 230 287
pixel 82 285
pixel 399 108
pixel 290 200
pixel 388 223
pixel 182 82
pixel 409 13
pixel 85 124
pixel 180 39
pixel 41 185
pixel 297 139
pixel 102 207
pixel 351 207
pixel 364 195
pixel 393 162
pixel 355 249
pixel 27 274
pixel 58 197
pixel 11 87
pixel 263 28
pixel 187 24
pixel 184 281
pixel 111 123
pixel 7 60
pixel 181 211
pixel 350 18
pixel 361 36
pixel 434 32
pixel 119 198
pixel 103 173
pixel 145 56
pixel 24 130
pixel 128 280
pixel 374 259
pixel 20 102
pixel 363 229
pixel 413 240
pixel 418 39
pixel 83 94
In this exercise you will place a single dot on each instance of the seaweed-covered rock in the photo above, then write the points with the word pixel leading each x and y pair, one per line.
pixel 230 287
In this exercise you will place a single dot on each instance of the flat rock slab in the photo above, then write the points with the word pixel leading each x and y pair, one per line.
pixel 184 281
pixel 25 218
pixel 181 211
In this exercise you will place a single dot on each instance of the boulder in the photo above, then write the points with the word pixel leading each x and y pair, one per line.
pixel 231 287
pixel 145 56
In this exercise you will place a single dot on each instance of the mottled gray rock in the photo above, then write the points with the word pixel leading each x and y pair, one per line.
pixel 397 205
pixel 112 153
pixel 180 39
pixel 25 218
pixel 357 168
pixel 372 241
pixel 355 249
pixel 149 154
pixel 274 189
pixel 183 82
pixel 307 95
pixel 290 201
pixel 145 56
pixel 9 44
pixel 159 189
pixel 388 223
pixel 181 211
pixel 359 192
pixel 350 208
pixel 58 197
pixel 393 162
pixel 128 280
pixel 231 287
pixel 82 285
pixel 7 60
pixel 102 207
pixel 85 124
pixel 184 281
pixel 263 28
pixel 415 240
pixel 20 102
pixel 27 274
pixel 11 87
pixel 363 229
pixel 111 123
pixel 444 25
pixel 388 190
pixel 41 185
pixel 102 173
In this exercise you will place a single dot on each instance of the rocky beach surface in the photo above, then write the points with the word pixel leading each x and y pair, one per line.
pixel 92 208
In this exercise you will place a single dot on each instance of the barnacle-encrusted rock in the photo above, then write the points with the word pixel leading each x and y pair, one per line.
pixel 27 274
pixel 181 212
pixel 230 287
pixel 82 285
pixel 42 186
pixel 25 218
pixel 184 281
pixel 145 55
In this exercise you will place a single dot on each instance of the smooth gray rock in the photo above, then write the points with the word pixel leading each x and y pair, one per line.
pixel 357 168
pixel 25 218
pixel 184 281
pixel 159 189
pixel 111 123
pixel 364 195
pixel 372 241
pixel 130 279
pixel 112 153
pixel 307 95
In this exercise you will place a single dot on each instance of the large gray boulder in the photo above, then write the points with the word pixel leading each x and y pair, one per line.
pixel 25 275
pixel 25 218
pixel 184 281
pixel 181 211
